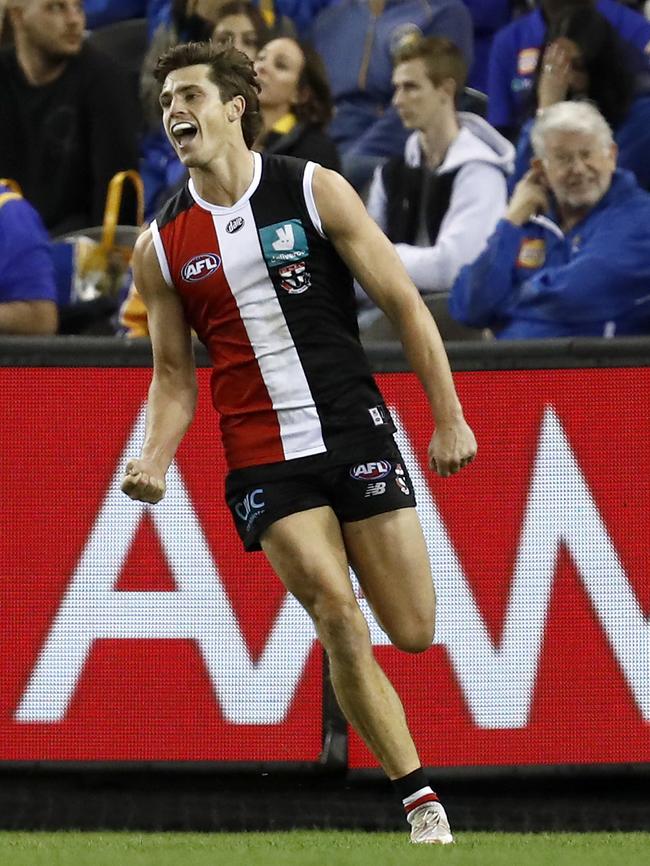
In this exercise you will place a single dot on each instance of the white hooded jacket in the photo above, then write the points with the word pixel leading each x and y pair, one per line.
pixel 482 159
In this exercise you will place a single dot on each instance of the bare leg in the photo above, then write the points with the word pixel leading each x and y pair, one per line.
pixel 389 556
pixel 308 554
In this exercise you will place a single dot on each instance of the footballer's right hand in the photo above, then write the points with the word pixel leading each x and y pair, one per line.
pixel 143 481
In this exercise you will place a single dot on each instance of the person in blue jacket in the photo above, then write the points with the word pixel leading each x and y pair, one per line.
pixel 102 12
pixel 586 59
pixel 356 39
pixel 516 49
pixel 488 17
pixel 572 255
pixel 28 293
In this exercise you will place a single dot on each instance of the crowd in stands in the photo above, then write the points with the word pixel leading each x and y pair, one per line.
pixel 501 145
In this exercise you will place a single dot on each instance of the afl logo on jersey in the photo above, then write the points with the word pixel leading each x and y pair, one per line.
pixel 371 471
pixel 200 267
pixel 234 225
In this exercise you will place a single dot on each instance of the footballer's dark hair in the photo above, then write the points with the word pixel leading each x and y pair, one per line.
pixel 230 69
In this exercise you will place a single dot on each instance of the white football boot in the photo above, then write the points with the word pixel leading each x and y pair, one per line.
pixel 429 825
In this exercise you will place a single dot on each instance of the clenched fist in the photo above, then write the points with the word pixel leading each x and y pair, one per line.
pixel 143 481
pixel 452 447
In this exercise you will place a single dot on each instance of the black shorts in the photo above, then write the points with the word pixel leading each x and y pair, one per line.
pixel 374 483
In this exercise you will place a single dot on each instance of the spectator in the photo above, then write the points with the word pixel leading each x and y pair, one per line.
pixel 102 13
pixel 586 59
pixel 440 201
pixel 242 24
pixel 356 38
pixel 572 256
pixel 488 17
pixel 3 31
pixel 515 52
pixel 295 103
pixel 168 13
pixel 68 123
pixel 302 12
pixel 132 316
pixel 27 284
pixel 181 18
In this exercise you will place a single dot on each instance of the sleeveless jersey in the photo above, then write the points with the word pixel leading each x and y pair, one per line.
pixel 272 301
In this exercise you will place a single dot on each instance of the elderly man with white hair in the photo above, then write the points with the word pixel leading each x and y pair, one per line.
pixel 572 255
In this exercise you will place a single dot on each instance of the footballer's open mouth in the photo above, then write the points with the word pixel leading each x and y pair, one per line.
pixel 183 131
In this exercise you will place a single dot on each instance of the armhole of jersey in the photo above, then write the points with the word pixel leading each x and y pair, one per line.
pixel 308 192
pixel 160 253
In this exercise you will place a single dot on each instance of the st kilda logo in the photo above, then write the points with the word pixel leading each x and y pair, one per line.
pixel 371 471
pixel 200 267
pixel 294 278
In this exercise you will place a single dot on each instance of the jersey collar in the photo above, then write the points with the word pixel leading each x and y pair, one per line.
pixel 217 209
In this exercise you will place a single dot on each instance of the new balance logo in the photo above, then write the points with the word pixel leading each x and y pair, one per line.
pixel 375 489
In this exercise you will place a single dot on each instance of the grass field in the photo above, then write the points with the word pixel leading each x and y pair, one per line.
pixel 319 848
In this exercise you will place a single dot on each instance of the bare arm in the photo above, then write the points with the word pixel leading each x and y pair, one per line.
pixel 28 317
pixel 375 264
pixel 173 389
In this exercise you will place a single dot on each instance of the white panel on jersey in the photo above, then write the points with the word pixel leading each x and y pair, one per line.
pixel 160 253
pixel 268 332
pixel 310 201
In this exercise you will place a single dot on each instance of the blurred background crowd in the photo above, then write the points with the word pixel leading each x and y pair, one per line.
pixel 503 146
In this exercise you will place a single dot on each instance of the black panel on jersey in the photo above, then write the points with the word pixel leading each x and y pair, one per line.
pixel 179 202
pixel 321 317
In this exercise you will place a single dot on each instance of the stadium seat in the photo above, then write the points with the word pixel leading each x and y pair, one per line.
pixel 473 100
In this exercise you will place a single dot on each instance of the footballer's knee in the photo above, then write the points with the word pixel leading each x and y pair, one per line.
pixel 340 625
pixel 413 635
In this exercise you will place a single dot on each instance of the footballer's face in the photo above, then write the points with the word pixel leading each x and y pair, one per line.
pixel 196 121
pixel 53 27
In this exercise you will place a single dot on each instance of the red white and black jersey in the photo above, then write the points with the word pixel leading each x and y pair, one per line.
pixel 273 303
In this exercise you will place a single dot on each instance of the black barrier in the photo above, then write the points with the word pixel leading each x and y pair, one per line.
pixel 388 358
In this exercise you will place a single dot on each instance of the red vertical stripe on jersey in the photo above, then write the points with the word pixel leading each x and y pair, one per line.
pixel 249 425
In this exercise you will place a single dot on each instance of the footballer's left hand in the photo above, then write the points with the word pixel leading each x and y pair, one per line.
pixel 452 447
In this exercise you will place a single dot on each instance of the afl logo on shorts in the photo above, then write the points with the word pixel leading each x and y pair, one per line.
pixel 371 471
pixel 234 225
pixel 200 267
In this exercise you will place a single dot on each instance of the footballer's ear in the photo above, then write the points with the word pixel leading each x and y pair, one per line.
pixel 236 108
